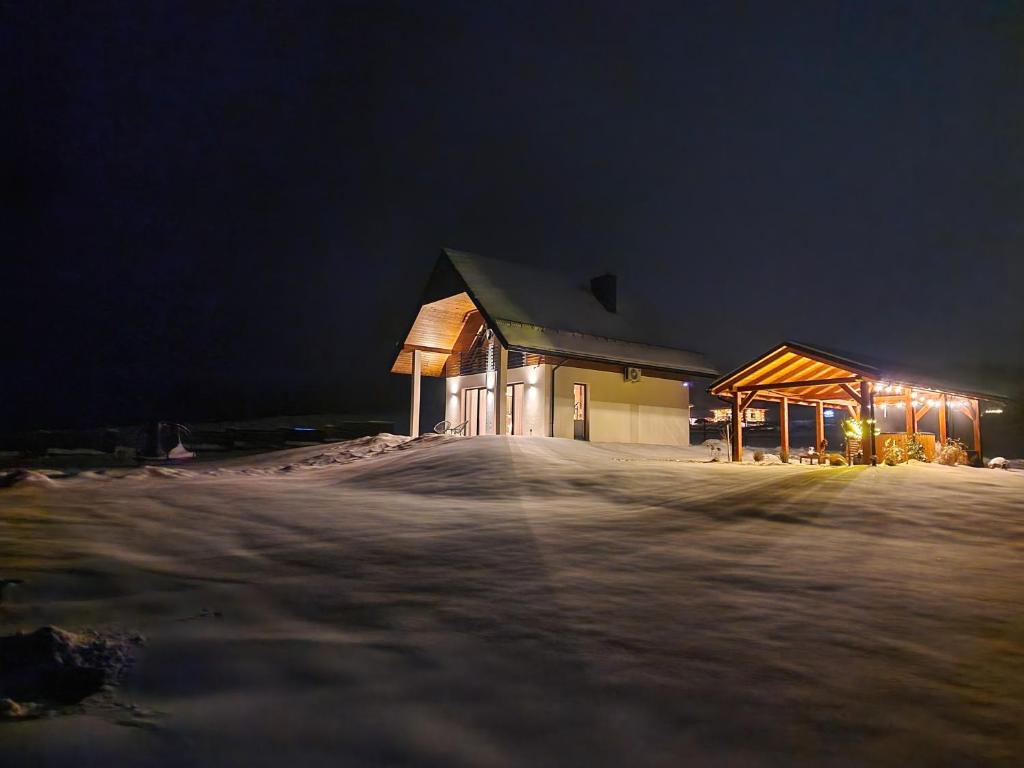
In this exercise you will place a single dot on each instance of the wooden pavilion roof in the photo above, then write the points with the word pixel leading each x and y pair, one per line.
pixel 798 373
pixel 807 375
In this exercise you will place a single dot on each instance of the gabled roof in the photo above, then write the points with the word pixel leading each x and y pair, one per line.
pixel 549 313
pixel 791 362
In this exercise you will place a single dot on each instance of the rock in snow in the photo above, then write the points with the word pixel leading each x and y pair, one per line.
pixel 53 665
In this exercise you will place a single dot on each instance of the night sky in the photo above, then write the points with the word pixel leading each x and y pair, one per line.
pixel 226 210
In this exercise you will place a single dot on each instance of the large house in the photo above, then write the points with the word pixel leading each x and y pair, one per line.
pixel 525 351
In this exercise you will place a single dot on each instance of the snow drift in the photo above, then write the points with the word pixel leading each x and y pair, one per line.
pixel 502 601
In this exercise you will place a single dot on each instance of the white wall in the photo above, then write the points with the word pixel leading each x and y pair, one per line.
pixel 652 410
pixel 535 403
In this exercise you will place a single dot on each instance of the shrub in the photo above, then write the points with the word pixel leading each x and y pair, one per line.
pixel 758 456
pixel 893 453
pixel 952 453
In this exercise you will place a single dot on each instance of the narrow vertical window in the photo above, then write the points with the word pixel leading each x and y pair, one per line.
pixel 514 409
pixel 580 427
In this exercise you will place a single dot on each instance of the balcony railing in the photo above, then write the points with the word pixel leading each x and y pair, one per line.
pixel 481 359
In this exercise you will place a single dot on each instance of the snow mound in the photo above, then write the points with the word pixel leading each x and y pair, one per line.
pixel 53 665
pixel 167 472
pixel 360 448
pixel 26 476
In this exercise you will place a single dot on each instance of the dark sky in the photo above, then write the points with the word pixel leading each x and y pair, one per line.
pixel 229 209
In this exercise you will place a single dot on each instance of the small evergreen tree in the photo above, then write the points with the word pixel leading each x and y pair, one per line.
pixel 915 449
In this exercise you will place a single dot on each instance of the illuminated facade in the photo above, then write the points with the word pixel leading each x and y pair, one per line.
pixel 533 353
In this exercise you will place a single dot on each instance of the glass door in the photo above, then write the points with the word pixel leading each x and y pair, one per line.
pixel 580 427
pixel 474 410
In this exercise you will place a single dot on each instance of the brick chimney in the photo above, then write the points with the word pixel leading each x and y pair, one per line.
pixel 604 289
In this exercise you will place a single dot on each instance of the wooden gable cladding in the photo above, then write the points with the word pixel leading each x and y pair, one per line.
pixel 435 332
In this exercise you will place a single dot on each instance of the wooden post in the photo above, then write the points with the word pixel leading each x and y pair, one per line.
pixel 867 421
pixel 737 427
pixel 975 406
pixel 942 419
pixel 784 427
pixel 500 395
pixel 414 405
pixel 819 426
pixel 908 406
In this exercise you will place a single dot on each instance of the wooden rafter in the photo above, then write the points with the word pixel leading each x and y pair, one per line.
pixel 766 360
pixel 787 369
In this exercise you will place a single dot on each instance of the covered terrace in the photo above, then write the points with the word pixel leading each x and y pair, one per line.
pixel 895 402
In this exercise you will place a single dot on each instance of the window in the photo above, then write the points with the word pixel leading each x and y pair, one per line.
pixel 579 412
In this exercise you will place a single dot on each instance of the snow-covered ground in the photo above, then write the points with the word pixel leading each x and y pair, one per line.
pixel 500 601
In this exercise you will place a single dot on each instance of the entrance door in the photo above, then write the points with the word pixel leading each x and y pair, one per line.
pixel 580 413
pixel 474 410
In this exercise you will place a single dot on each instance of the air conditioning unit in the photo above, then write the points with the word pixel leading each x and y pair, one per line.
pixel 632 374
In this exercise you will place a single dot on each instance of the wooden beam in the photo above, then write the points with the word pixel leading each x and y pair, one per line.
pixel 793 384
pixel 746 401
pixel 942 419
pixel 421 348
pixel 854 410
pixel 414 404
pixel 852 393
pixel 737 428
pixel 976 408
pixel 908 407
pixel 819 426
pixel 784 427
pixel 867 418
pixel 500 393
pixel 920 414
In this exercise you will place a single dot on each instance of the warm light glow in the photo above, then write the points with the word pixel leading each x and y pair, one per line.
pixel 993 410
pixel 453 386
pixel 532 374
